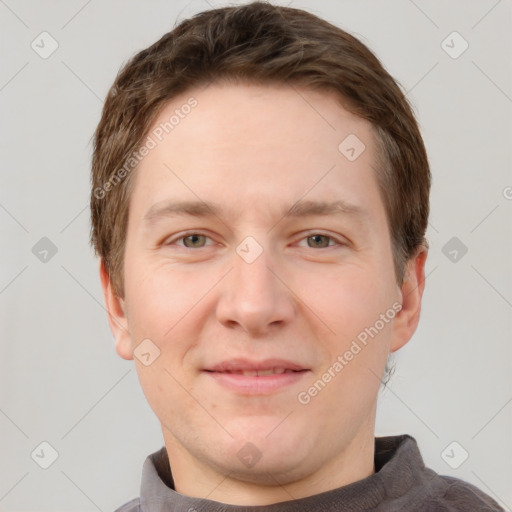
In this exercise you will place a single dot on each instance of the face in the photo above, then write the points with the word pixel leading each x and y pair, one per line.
pixel 271 309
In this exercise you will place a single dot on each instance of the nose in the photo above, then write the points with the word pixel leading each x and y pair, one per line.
pixel 255 297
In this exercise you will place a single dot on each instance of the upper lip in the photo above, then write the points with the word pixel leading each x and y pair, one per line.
pixel 237 365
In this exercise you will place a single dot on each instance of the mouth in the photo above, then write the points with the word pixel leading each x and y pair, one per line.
pixel 258 373
pixel 256 377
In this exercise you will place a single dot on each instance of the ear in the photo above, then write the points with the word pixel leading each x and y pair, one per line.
pixel 116 315
pixel 407 319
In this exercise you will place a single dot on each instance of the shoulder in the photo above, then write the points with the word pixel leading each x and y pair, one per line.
pixel 131 506
pixel 410 485
pixel 454 495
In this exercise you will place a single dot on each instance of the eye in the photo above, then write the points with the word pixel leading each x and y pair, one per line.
pixel 320 241
pixel 191 240
pixel 198 241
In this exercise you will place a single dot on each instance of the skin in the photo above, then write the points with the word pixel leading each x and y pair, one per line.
pixel 257 150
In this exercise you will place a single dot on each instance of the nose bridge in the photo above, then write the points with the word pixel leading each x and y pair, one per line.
pixel 253 297
pixel 252 268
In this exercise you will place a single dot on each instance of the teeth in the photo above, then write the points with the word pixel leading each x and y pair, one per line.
pixel 270 371
pixel 266 372
pixel 250 373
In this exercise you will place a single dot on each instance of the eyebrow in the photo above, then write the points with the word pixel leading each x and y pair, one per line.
pixel 301 208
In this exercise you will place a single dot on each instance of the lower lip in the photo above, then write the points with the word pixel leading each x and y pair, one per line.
pixel 262 385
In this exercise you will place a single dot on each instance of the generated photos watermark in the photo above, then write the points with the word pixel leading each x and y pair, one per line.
pixel 357 345
pixel 156 136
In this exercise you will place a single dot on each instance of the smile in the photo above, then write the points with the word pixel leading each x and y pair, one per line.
pixel 258 373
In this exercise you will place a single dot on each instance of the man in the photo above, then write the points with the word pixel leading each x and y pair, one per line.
pixel 259 203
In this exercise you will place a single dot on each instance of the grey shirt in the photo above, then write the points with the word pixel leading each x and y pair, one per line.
pixel 401 482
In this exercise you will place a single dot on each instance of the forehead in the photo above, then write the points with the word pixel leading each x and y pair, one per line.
pixel 257 140
pixel 253 114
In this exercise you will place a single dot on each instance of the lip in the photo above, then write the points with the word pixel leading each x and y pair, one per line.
pixel 225 374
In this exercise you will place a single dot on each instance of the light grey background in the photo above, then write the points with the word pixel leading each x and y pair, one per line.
pixel 61 380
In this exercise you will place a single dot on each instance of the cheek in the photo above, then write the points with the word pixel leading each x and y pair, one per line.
pixel 160 297
pixel 353 301
pixel 348 298
pixel 164 307
pixel 355 354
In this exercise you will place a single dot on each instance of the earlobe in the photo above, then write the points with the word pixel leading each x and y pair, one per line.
pixel 406 321
pixel 117 318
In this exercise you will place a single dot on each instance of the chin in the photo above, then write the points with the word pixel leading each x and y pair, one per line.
pixel 270 469
pixel 275 434
pixel 265 446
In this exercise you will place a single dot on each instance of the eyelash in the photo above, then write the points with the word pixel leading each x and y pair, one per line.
pixel 314 233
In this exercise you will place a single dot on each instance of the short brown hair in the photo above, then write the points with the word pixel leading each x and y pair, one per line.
pixel 263 44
